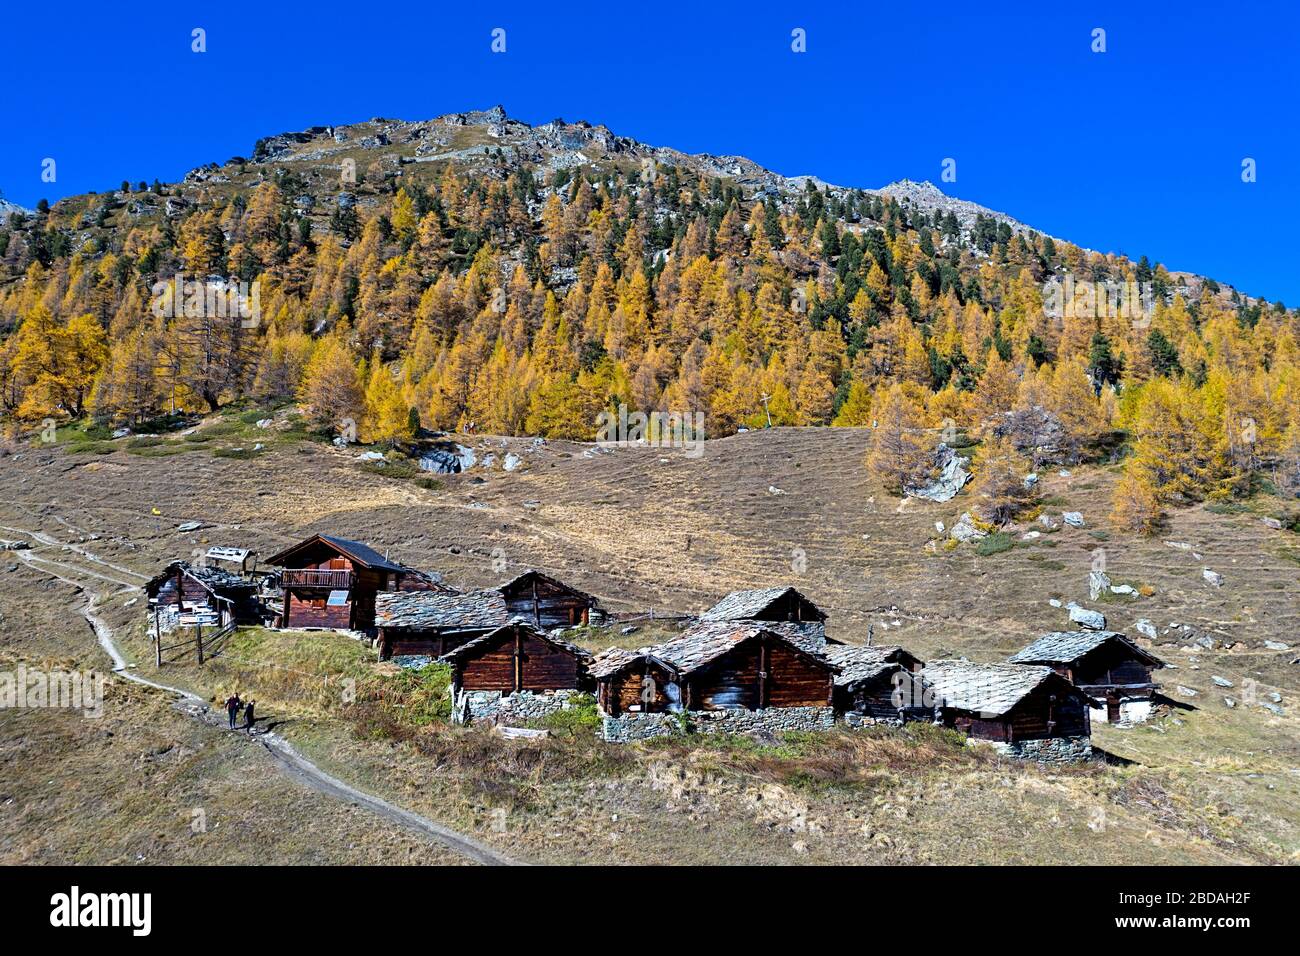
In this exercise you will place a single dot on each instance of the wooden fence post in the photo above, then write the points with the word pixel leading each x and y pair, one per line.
pixel 198 640
pixel 157 639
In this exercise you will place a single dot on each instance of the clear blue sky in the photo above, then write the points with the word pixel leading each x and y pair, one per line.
pixel 1137 150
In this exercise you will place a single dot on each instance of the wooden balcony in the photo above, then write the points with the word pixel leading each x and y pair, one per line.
pixel 314 578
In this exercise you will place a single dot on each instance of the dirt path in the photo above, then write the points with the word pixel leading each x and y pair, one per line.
pixel 288 757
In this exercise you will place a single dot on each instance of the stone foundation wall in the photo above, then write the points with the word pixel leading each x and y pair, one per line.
pixel 629 727
pixel 490 705
pixel 855 720
pixel 1048 750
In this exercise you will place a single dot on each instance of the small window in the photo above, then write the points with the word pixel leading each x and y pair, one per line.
pixel 338 599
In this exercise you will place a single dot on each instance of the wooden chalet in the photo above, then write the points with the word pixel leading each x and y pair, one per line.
pixel 781 605
pixel 186 595
pixel 1105 665
pixel 434 624
pixel 879 682
pixel 517 657
pixel 716 665
pixel 1007 703
pixel 331 582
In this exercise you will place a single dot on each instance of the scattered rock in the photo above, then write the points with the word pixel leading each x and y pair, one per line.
pixel 511 462
pixel 630 629
pixel 1277 646
pixel 1064 473
pixel 1145 628
pixel 1073 518
pixel 1230 702
pixel 774 490
pixel 1185 691
pixel 1221 681
pixel 1274 709
pixel 940 527
pixel 1212 577
pixel 1054 602
pixel 15 546
pixel 1031 535
pixel 1091 620
pixel 1179 545
pixel 1031 480
pixel 965 530
pixel 532 505
pixel 1048 522
pixel 1272 523
pixel 1098 584
pixel 1275 697
pixel 1123 589
pixel 371 456
pixel 189 526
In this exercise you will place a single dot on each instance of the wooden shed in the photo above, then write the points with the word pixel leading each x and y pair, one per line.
pixel 1008 703
pixel 881 683
pixel 433 623
pixel 633 682
pixel 779 605
pixel 548 603
pixel 718 665
pixel 1105 665
pixel 183 594
pixel 517 657
pixel 331 582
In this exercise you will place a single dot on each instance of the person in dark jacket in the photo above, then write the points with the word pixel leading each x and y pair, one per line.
pixel 233 704
pixel 249 719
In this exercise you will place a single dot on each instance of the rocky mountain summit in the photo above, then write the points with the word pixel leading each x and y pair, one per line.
pixel 490 140
pixel 8 208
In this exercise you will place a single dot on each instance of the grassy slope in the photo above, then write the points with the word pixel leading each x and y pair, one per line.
pixel 641 528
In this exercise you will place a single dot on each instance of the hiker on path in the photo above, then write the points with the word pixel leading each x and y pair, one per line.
pixel 233 704
pixel 249 719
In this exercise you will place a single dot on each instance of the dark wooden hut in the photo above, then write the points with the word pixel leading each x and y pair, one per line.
pixel 779 605
pixel 879 682
pixel 433 624
pixel 184 594
pixel 548 603
pixel 1007 703
pixel 718 665
pixel 517 657
pixel 331 582
pixel 1106 665
pixel 635 682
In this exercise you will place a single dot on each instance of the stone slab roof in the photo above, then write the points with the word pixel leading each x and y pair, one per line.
pixel 991 689
pixel 471 648
pixel 1065 647
pixel 743 605
pixel 858 662
pixel 435 610
pixel 709 640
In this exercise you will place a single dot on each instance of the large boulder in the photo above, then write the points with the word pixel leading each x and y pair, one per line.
pixel 951 476
pixel 1085 618
pixel 1037 433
